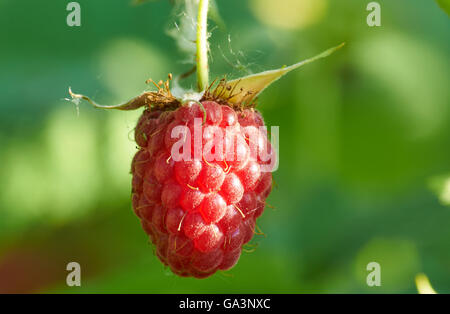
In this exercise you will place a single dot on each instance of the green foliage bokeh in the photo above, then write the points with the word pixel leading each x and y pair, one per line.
pixel 363 136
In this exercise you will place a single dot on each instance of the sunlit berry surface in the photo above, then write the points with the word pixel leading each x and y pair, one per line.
pixel 200 212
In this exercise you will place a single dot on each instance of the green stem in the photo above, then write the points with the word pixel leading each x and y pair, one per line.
pixel 202 45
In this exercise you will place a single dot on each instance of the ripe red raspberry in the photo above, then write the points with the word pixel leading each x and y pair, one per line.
pixel 201 211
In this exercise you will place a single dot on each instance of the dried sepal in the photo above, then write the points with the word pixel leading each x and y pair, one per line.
pixel 243 91
pixel 160 100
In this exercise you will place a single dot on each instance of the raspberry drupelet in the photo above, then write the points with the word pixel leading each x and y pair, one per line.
pixel 200 212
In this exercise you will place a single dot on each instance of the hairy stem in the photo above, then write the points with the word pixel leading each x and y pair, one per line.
pixel 202 45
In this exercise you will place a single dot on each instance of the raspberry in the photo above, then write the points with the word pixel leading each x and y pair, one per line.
pixel 203 170
pixel 199 212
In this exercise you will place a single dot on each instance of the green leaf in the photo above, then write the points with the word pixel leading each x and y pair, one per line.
pixel 184 31
pixel 215 16
pixel 423 285
pixel 440 185
pixel 137 2
pixel 244 90
pixel 445 5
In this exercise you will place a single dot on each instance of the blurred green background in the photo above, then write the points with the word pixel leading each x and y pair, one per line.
pixel 364 169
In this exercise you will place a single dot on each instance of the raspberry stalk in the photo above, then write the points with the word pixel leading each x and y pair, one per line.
pixel 202 45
